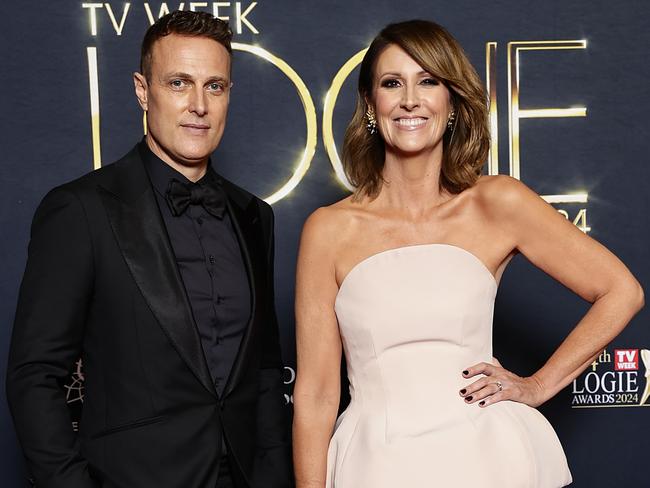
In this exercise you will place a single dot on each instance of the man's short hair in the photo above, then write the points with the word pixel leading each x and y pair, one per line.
pixel 183 23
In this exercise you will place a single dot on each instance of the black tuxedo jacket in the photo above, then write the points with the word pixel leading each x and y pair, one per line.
pixel 102 283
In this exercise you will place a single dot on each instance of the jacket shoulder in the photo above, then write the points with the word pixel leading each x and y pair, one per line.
pixel 244 198
pixel 88 182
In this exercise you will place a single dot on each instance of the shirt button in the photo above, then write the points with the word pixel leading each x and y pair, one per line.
pixel 211 259
pixel 199 221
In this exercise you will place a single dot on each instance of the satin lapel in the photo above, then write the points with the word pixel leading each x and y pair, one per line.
pixel 247 227
pixel 142 237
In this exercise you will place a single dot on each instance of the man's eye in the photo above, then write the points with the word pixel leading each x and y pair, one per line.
pixel 215 87
pixel 177 83
pixel 390 83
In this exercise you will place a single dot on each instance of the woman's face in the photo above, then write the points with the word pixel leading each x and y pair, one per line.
pixel 411 106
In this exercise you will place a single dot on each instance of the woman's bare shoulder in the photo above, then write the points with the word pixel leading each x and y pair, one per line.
pixel 332 223
pixel 501 193
pixel 499 186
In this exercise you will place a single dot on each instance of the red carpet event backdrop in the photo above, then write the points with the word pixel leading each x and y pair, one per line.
pixel 569 103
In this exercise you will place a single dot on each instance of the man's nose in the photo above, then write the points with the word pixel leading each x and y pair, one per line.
pixel 198 102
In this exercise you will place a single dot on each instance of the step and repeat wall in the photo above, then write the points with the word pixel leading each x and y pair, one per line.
pixel 569 104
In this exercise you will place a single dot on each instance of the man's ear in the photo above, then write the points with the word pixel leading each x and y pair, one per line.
pixel 141 89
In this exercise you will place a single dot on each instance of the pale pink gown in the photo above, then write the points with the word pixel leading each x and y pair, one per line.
pixel 411 319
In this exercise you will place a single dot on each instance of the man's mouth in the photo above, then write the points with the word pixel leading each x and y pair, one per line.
pixel 196 126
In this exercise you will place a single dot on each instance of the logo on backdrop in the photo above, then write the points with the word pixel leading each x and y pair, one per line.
pixel 617 378
pixel 115 18
pixel 74 393
pixel 74 389
pixel 237 13
pixel 289 379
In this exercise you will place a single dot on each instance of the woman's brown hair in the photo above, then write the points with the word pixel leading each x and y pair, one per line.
pixel 465 146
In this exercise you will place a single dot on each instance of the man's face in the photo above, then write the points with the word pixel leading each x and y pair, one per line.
pixel 186 98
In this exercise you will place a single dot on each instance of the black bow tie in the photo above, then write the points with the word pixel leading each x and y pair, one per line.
pixel 180 195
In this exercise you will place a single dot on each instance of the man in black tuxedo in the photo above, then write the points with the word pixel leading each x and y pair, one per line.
pixel 158 272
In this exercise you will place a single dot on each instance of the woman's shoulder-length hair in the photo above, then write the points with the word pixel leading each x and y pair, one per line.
pixel 465 145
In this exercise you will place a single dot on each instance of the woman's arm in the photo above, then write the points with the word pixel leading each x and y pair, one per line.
pixel 317 390
pixel 556 246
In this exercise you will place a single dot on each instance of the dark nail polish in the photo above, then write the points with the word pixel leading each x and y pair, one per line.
pixel 481 403
pixel 463 391
pixel 469 398
pixel 465 372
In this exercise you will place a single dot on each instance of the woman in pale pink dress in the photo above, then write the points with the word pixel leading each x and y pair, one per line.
pixel 402 276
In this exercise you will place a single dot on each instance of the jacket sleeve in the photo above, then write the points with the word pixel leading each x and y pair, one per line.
pixel 47 340
pixel 273 466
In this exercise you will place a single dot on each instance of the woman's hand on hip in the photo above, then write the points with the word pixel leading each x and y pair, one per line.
pixel 498 384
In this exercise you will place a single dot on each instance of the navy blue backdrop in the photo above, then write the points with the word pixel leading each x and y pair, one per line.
pixel 570 98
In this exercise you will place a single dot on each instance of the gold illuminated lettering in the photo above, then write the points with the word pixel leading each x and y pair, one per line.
pixel 215 10
pixel 93 15
pixel 310 118
pixel 579 197
pixel 164 10
pixel 195 5
pixel 580 220
pixel 94 105
pixel 328 114
pixel 118 27
pixel 491 86
pixel 515 113
pixel 241 17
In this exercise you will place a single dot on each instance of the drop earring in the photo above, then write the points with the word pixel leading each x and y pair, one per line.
pixel 451 120
pixel 371 121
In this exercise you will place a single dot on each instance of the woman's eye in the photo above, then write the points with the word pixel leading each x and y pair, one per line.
pixel 430 81
pixel 390 83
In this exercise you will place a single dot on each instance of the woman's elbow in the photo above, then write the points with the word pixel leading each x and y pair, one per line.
pixel 323 397
pixel 632 293
pixel 639 296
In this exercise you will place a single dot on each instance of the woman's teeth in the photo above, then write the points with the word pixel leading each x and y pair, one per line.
pixel 411 122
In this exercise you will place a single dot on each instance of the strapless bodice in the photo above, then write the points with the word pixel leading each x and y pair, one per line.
pixel 410 313
pixel 411 320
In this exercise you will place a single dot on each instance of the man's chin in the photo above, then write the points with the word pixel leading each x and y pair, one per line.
pixel 196 152
pixel 194 157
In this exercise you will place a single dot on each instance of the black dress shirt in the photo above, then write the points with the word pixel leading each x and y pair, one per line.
pixel 211 265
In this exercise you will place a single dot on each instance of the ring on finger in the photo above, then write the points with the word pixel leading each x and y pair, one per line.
pixel 499 385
